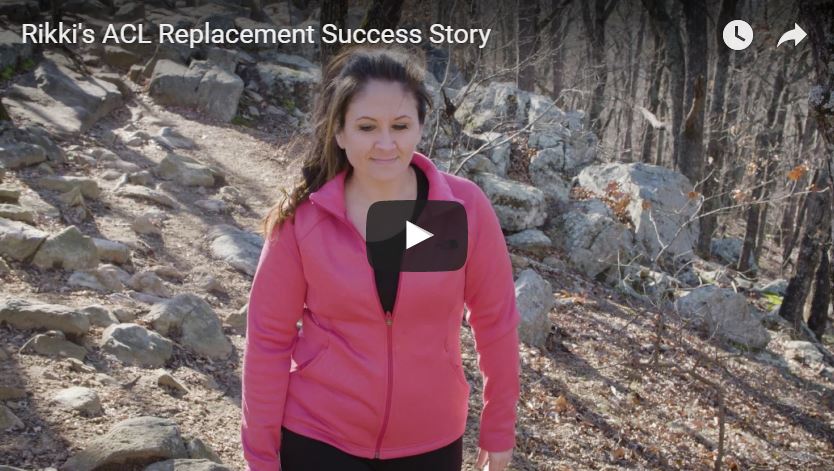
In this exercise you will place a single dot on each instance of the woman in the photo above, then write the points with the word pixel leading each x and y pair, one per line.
pixel 373 380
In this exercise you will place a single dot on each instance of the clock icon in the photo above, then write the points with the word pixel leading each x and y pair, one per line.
pixel 738 35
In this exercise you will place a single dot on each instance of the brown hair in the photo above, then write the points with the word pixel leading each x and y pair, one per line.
pixel 345 75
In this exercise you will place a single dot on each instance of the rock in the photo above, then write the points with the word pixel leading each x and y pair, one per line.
pixel 778 287
pixel 238 248
pixel 16 213
pixel 485 108
pixel 130 11
pixel 18 241
pixel 291 87
pixel 8 421
pixel 69 249
pixel 63 183
pixel 143 178
pixel 494 145
pixel 33 201
pixel 132 442
pixel 106 278
pixel 211 205
pixel 548 172
pixel 142 193
pixel 148 282
pixel 187 465
pixel 107 159
pixel 61 98
pixel 803 352
pixel 591 239
pixel 658 204
pixel 146 224
pixel 9 194
pixel 99 316
pixel 83 400
pixel 185 171
pixel 203 85
pixel 21 154
pixel 728 251
pixel 5 269
pixel 534 298
pixel 517 205
pixel 198 450
pixel 9 393
pixel 26 315
pixel 232 195
pixel 644 283
pixel 13 51
pixel 119 58
pixel 168 272
pixel 165 380
pixel 237 319
pixel 723 312
pixel 133 344
pixel 170 138
pixel 532 240
pixel 54 344
pixel 3 357
pixel 195 321
pixel 225 59
pixel 112 251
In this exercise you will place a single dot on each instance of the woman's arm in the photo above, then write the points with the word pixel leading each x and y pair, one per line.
pixel 490 296
pixel 276 303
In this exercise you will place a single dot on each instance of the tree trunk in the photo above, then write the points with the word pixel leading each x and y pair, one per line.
pixel 383 14
pixel 818 18
pixel 676 62
pixel 691 154
pixel 559 28
pixel 717 134
pixel 528 13
pixel 653 95
pixel 634 68
pixel 332 12
pixel 818 318
pixel 595 28
pixel 766 141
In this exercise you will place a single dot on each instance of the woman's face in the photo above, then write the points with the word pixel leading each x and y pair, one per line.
pixel 381 131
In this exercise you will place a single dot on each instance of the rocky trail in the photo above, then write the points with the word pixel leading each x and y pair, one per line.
pixel 128 239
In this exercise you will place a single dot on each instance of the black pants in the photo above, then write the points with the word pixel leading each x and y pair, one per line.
pixel 303 453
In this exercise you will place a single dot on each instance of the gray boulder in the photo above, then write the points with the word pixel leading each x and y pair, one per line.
pixel 517 205
pixel 185 171
pixel 724 313
pixel 143 193
pixel 8 421
pixel 80 399
pixel 63 183
pixel 203 85
pixel 728 251
pixel 23 314
pixel 133 344
pixel 534 299
pixel 548 170
pixel 13 51
pixel 54 344
pixel 187 465
pixel 69 249
pixel 485 108
pixel 14 155
pixel 133 442
pixel 592 239
pixel 289 85
pixel 14 212
pixel 803 352
pixel 57 95
pixel 238 248
pixel 111 251
pixel 531 240
pixel 659 205
pixel 198 326
pixel 18 241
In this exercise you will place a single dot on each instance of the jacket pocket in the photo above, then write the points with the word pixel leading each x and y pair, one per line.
pixel 457 367
pixel 306 355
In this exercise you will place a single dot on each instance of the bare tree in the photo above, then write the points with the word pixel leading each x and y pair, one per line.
pixel 595 27
pixel 332 12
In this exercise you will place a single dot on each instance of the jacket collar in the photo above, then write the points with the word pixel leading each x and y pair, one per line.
pixel 331 196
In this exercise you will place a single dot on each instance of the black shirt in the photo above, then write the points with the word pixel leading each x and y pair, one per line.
pixel 387 281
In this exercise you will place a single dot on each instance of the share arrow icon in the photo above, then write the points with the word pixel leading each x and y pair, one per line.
pixel 797 34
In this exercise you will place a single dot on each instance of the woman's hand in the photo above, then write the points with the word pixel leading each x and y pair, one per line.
pixel 494 460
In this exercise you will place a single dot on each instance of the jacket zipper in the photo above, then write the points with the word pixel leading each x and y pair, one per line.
pixel 389 322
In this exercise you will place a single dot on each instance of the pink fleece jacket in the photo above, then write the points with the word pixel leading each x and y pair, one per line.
pixel 370 383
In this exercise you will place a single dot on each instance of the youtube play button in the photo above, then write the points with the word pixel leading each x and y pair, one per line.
pixel 416 235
